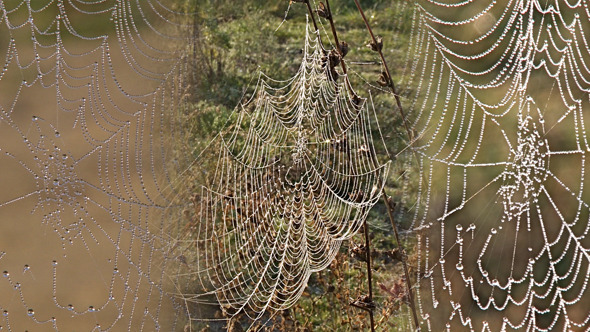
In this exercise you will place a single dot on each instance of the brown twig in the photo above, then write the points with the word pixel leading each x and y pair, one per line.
pixel 367 305
pixel 378 47
pixel 369 272
pixel 390 208
pixel 335 34
pixel 328 15
pixel 387 72
pixel 315 25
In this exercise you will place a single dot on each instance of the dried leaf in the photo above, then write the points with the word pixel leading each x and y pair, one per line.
pixel 376 45
pixel 343 48
pixel 323 11
pixel 384 80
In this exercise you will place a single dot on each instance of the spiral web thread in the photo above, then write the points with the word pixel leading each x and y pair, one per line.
pixel 296 175
pixel 86 94
pixel 501 90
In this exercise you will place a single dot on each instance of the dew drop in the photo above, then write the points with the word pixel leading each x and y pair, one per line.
pixel 54 263
pixel 5 313
pixel 35 118
pixel 459 227
pixel 459 267
pixel 494 231
pixel 30 312
pixel 91 309
pixel 57 134
pixel 5 274
pixel 70 307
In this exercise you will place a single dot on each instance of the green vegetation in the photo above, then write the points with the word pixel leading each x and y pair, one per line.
pixel 233 40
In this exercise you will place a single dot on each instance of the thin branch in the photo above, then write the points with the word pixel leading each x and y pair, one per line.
pixel 388 78
pixel 315 25
pixel 330 18
pixel 378 47
pixel 335 34
pixel 390 209
pixel 369 272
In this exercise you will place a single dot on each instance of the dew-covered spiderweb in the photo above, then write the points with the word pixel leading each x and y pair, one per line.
pixel 87 95
pixel 498 98
pixel 296 174
pixel 91 170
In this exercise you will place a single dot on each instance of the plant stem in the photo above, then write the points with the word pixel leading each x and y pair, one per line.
pixel 389 78
pixel 335 34
pixel 392 87
pixel 365 225
pixel 411 138
pixel 390 209
pixel 369 271
pixel 315 25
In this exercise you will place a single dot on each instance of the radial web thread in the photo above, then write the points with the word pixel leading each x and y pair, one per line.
pixel 499 101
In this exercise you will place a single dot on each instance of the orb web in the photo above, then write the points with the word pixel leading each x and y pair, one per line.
pixel 498 96
pixel 87 89
pixel 296 174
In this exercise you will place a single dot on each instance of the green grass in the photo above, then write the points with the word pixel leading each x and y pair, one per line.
pixel 234 40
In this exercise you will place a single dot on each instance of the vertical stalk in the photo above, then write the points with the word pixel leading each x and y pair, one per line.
pixel 335 34
pixel 389 206
pixel 411 138
pixel 388 78
pixel 365 224
pixel 390 83
pixel 315 25
pixel 369 272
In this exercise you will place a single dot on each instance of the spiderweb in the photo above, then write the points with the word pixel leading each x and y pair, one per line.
pixel 296 175
pixel 88 91
pixel 86 94
pixel 500 90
